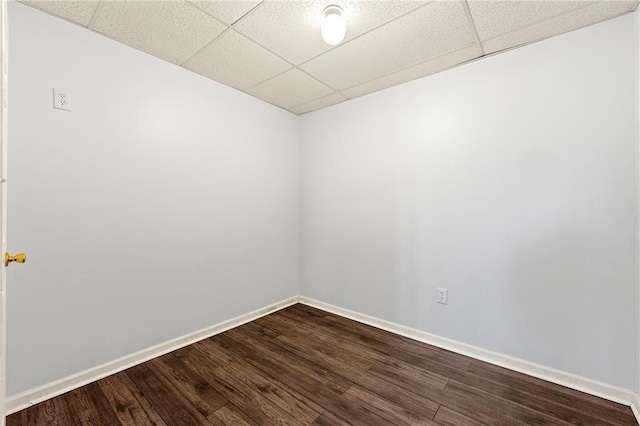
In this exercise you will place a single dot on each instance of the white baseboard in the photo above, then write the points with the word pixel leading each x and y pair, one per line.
pixel 50 390
pixel 635 407
pixel 593 387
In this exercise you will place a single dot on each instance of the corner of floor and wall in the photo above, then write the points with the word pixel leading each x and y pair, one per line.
pixel 157 217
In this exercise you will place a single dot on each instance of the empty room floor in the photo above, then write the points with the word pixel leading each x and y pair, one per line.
pixel 302 366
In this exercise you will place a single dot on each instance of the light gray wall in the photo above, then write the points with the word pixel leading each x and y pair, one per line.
pixel 510 181
pixel 162 204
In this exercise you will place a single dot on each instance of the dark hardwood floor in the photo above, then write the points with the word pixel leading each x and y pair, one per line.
pixel 303 366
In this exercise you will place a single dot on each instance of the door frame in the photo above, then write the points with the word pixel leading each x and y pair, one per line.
pixel 3 204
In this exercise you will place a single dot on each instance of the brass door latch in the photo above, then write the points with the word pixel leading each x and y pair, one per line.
pixel 20 258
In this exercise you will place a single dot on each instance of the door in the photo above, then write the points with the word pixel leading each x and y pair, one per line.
pixel 3 202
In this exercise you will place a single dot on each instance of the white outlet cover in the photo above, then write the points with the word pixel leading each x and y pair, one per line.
pixel 442 296
pixel 61 99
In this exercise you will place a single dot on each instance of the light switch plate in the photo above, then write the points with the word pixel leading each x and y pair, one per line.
pixel 442 296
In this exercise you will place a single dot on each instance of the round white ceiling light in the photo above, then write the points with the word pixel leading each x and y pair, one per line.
pixel 334 27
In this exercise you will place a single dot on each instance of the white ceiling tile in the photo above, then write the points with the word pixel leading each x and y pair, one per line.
pixel 228 11
pixel 432 66
pixel 431 31
pixel 290 89
pixel 388 42
pixel 292 28
pixel 317 104
pixel 560 24
pixel 236 61
pixel 171 30
pixel 493 18
pixel 76 11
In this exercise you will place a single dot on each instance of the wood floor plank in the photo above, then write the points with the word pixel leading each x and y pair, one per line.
pixel 229 415
pixel 314 390
pixel 277 363
pixel 252 339
pixel 164 397
pixel 192 387
pixel 18 419
pixel 425 364
pixel 54 412
pixel 328 419
pixel 390 391
pixel 131 407
pixel 417 404
pixel 410 373
pixel 598 407
pixel 447 417
pixel 247 399
pixel 356 374
pixel 295 327
pixel 89 406
pixel 492 410
pixel 411 379
pixel 386 409
pixel 575 413
pixel 349 329
pixel 303 366
pixel 349 411
pixel 291 402
pixel 339 361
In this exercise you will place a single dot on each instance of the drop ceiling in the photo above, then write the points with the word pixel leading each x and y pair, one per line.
pixel 273 50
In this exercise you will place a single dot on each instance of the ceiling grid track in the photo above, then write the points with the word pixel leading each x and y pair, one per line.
pixel 413 65
pixel 226 30
pixel 474 30
pixel 96 12
pixel 248 13
pixel 533 24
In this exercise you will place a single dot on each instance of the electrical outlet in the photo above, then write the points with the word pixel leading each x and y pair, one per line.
pixel 442 296
pixel 61 100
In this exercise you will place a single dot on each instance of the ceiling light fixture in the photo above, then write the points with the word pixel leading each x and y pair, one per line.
pixel 334 27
